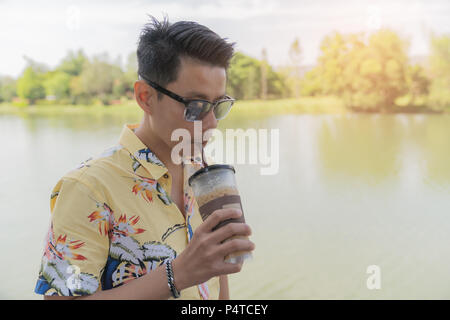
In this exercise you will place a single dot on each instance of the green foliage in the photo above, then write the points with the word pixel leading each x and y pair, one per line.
pixel 276 85
pixel 368 72
pixel 418 84
pixel 77 94
pixel 81 80
pixel 73 63
pixel 244 79
pixel 372 73
pixel 77 80
pixel 101 79
pixel 57 84
pixel 130 75
pixel 311 84
pixel 20 102
pixel 29 86
pixel 439 98
pixel 7 88
pixel 417 81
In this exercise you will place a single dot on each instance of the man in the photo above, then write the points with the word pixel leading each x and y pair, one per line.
pixel 125 225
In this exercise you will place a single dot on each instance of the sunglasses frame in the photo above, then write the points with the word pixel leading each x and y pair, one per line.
pixel 186 102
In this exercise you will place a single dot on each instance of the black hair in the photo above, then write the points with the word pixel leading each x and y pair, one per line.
pixel 162 44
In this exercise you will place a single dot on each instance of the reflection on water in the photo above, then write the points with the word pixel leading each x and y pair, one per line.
pixel 352 191
pixel 366 148
pixel 377 147
pixel 80 121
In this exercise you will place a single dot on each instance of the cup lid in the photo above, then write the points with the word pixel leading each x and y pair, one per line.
pixel 210 168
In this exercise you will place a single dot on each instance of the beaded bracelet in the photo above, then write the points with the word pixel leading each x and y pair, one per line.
pixel 173 290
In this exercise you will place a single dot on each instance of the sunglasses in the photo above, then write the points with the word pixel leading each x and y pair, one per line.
pixel 197 109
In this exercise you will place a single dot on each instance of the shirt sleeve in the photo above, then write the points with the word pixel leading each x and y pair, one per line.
pixel 77 243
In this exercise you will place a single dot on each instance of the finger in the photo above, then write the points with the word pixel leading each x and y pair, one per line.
pixel 229 230
pixel 229 268
pixel 236 245
pixel 218 216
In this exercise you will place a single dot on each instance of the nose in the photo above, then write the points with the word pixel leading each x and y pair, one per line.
pixel 209 121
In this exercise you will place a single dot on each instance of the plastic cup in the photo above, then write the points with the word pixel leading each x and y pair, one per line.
pixel 215 188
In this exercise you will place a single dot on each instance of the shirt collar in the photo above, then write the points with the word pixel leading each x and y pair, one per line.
pixel 140 152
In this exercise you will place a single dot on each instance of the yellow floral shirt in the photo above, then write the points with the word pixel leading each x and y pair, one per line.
pixel 112 220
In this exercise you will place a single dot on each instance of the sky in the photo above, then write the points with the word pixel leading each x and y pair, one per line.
pixel 46 30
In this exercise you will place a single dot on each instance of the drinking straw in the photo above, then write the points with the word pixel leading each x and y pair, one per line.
pixel 203 157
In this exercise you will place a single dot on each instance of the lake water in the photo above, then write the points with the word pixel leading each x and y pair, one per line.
pixel 352 191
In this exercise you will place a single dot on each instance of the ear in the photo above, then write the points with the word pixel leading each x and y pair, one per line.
pixel 144 95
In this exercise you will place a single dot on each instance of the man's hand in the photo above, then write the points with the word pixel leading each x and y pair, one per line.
pixel 204 256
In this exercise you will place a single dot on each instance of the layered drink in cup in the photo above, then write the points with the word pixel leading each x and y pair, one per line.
pixel 215 188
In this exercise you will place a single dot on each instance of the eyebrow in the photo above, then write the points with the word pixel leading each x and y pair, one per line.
pixel 195 94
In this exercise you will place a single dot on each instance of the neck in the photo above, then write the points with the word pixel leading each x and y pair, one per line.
pixel 146 134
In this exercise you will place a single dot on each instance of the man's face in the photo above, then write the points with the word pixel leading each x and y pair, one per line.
pixel 195 80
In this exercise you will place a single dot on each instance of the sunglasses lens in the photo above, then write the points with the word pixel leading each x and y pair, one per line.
pixel 196 110
pixel 193 110
pixel 222 109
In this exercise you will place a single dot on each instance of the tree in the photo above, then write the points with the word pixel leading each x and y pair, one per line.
pixel 368 73
pixel 311 83
pixel 7 88
pixel 29 86
pixel 242 74
pixel 73 63
pixel 99 76
pixel 418 83
pixel 130 75
pixel 264 67
pixel 244 79
pixel 57 84
pixel 295 55
pixel 77 94
pixel 439 97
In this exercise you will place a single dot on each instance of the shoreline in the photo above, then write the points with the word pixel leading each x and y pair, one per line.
pixel 243 108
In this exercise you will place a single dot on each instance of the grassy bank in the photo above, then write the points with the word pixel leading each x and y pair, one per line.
pixel 241 109
pixel 246 108
pixel 311 105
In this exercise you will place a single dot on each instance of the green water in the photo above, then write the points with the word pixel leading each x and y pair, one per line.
pixel 351 191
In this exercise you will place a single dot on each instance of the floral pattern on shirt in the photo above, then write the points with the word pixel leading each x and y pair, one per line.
pixel 147 186
pixel 57 274
pixel 112 221
pixel 148 155
pixel 128 259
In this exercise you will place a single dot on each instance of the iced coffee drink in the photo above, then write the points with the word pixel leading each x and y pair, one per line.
pixel 215 188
